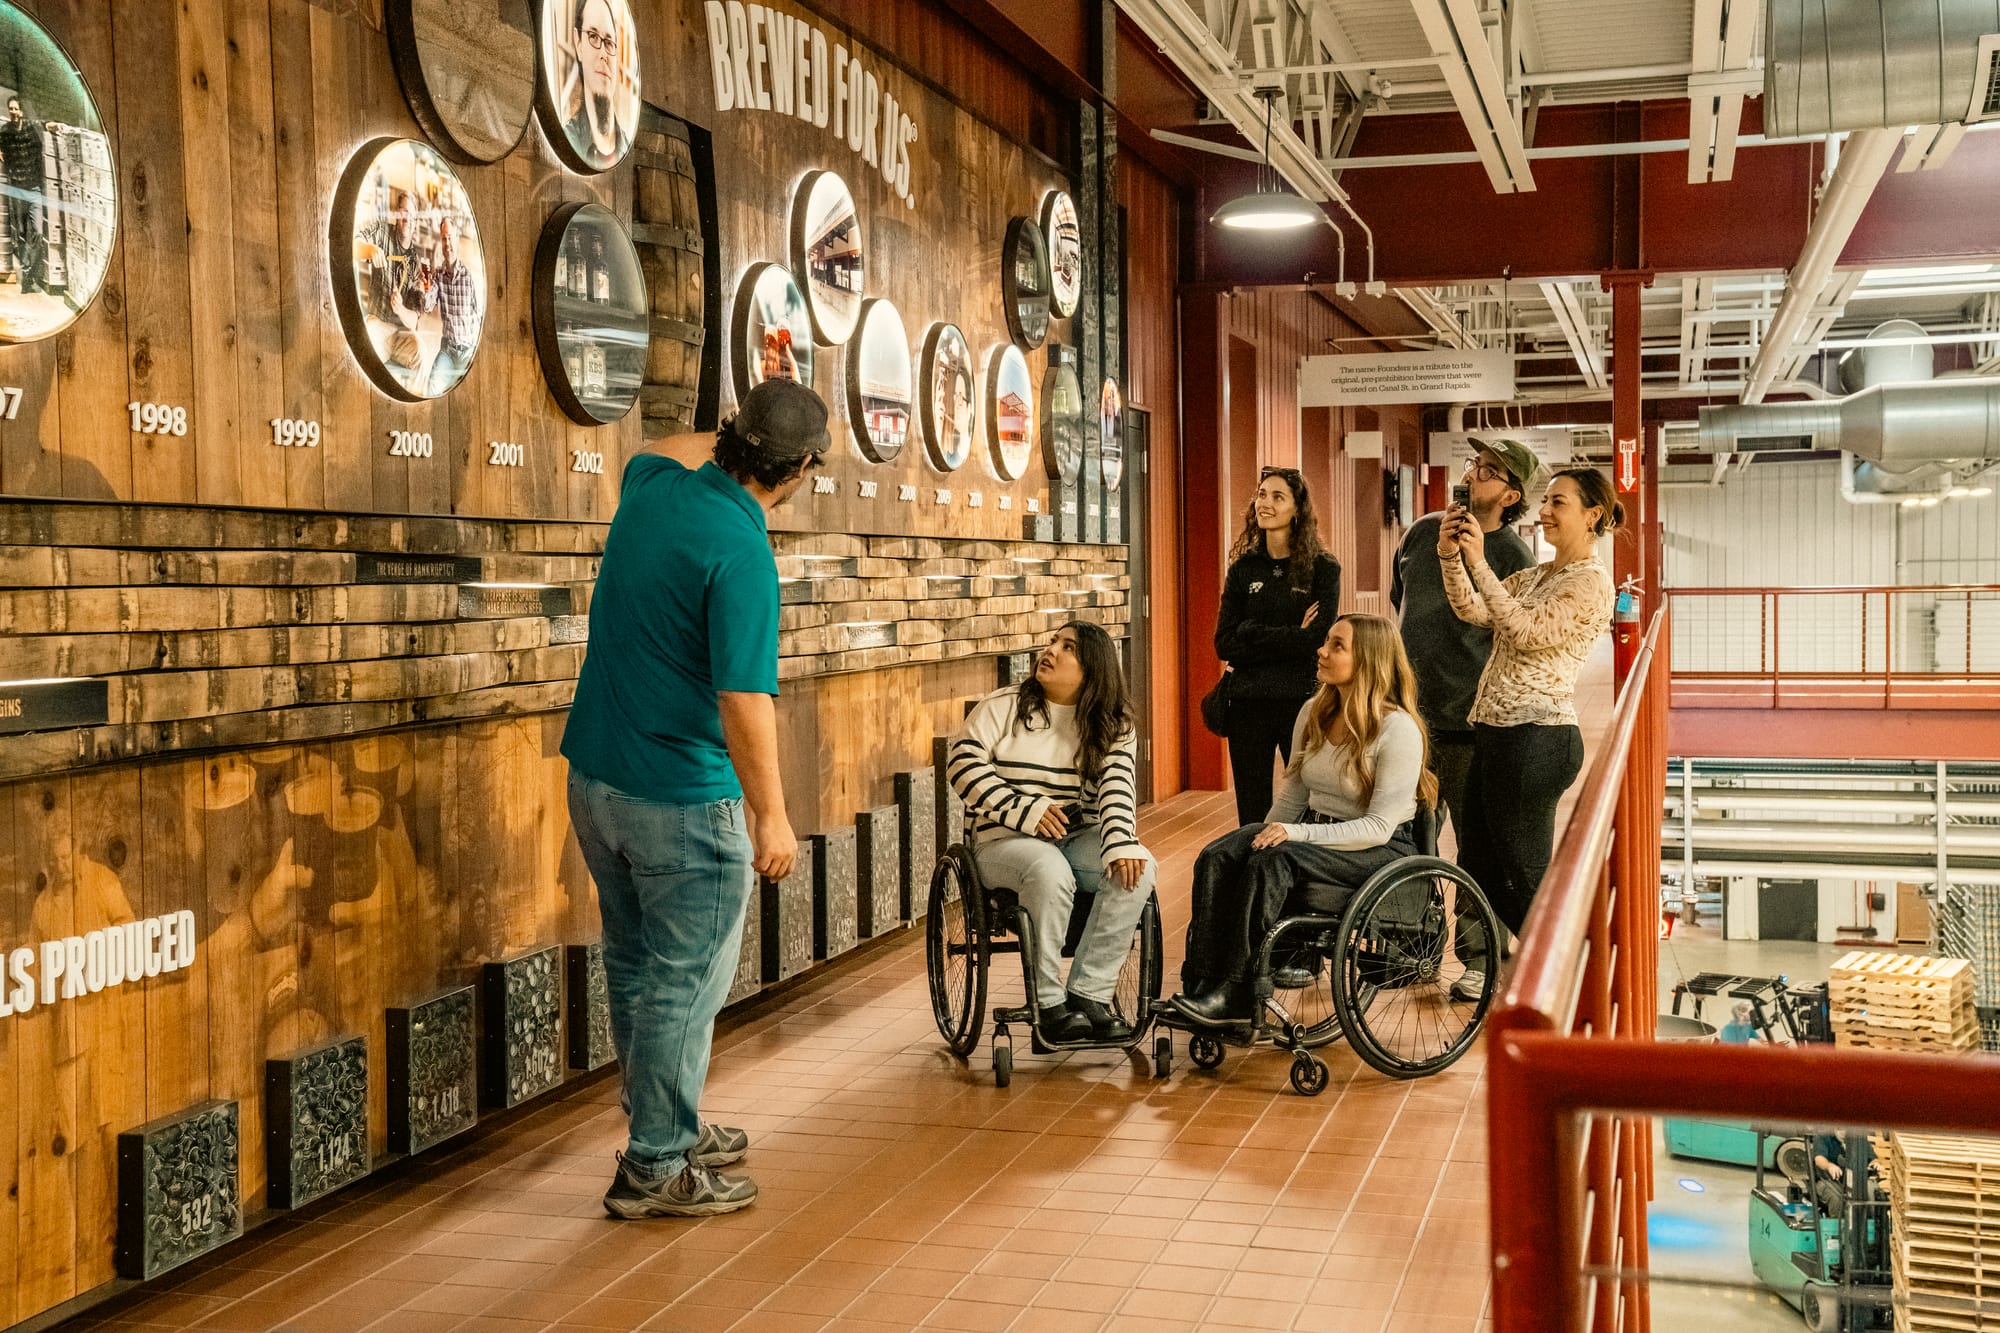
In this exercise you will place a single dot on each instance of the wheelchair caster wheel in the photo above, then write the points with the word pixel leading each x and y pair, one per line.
pixel 1163 1056
pixel 1205 1051
pixel 1309 1076
pixel 1003 1066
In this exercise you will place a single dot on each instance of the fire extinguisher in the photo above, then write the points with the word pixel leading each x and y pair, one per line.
pixel 1625 628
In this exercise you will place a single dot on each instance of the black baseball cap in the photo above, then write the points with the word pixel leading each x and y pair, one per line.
pixel 784 419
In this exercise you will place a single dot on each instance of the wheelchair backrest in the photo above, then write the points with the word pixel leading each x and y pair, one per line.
pixel 1426 822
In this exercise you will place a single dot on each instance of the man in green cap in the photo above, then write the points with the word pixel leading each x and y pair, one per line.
pixel 1448 654
pixel 673 787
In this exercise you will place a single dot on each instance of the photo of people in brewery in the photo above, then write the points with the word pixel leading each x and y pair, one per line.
pixel 775 334
pixel 418 271
pixel 58 182
pixel 590 80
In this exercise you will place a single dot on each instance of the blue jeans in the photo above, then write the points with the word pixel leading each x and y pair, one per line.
pixel 672 885
pixel 1046 877
pixel 447 368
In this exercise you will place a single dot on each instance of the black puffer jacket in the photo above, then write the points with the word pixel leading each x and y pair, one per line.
pixel 1259 631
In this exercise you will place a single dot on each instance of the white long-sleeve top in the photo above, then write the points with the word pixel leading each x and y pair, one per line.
pixel 1009 775
pixel 1544 622
pixel 1322 784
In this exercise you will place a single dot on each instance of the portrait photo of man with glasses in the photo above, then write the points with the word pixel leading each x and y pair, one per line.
pixel 590 63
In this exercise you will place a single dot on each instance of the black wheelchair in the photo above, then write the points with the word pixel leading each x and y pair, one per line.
pixel 1386 973
pixel 968 922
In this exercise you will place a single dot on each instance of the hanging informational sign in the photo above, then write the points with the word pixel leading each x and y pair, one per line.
pixel 1406 377
pixel 764 59
pixel 1452 449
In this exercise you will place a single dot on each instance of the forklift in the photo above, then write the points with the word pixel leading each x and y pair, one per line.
pixel 1821 1243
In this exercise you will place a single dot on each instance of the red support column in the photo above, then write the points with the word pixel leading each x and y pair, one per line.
pixel 1634 471
pixel 1204 531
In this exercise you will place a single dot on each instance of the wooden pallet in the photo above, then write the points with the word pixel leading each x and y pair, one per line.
pixel 1944 1205
pixel 1888 1001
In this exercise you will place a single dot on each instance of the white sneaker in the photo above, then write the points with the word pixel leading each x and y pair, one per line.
pixel 1469 987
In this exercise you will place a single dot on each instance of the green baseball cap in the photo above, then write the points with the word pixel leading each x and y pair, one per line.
pixel 1517 458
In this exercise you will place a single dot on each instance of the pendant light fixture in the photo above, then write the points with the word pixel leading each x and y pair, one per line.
pixel 1269 207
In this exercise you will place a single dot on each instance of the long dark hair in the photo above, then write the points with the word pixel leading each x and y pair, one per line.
pixel 1306 549
pixel 1103 708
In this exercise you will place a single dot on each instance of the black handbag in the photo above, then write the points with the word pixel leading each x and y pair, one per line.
pixel 1215 707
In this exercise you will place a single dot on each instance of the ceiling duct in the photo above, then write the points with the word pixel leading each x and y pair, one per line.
pixel 1895 354
pixel 1899 427
pixel 1833 65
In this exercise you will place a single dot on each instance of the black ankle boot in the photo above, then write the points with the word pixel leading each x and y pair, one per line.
pixel 1104 1024
pixel 1058 1022
pixel 1221 1006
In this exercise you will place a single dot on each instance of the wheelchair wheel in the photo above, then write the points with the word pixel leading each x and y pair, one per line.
pixel 1204 1050
pixel 1139 978
pixel 1399 961
pixel 956 952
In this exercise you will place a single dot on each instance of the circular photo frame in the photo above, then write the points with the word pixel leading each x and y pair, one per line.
pixel 468 72
pixel 61 186
pixel 880 381
pixel 1062 419
pixel 1024 283
pixel 1010 411
pixel 1064 234
pixel 1111 435
pixel 588 94
pixel 949 391
pixel 409 277
pixel 773 332
pixel 826 251
pixel 592 325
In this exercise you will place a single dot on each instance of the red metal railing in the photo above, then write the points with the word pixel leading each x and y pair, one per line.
pixel 1574 1076
pixel 1843 647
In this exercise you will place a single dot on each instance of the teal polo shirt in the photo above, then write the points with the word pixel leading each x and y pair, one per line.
pixel 686 605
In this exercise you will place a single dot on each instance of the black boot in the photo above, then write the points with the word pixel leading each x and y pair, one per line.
pixel 1224 1005
pixel 1057 1022
pixel 1104 1024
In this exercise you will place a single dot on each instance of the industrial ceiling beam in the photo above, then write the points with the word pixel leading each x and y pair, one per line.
pixel 1576 331
pixel 1862 163
pixel 1719 79
pixel 1479 89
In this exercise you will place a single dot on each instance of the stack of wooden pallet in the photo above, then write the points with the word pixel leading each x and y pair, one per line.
pixel 1944 1207
pixel 1903 1002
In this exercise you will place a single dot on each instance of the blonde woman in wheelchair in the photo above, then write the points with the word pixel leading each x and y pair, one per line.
pixel 1359 768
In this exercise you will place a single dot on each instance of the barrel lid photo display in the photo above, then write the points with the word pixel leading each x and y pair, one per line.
pixel 827 254
pixel 468 72
pixel 1064 235
pixel 879 381
pixel 591 316
pixel 61 185
pixel 588 94
pixel 949 396
pixel 774 338
pixel 408 273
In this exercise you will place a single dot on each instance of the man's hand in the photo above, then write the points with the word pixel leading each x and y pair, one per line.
pixel 1126 873
pixel 1054 824
pixel 1270 836
pixel 774 849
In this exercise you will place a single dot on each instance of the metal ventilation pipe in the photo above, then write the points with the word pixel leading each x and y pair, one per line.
pixel 1905 363
pixel 1834 65
pixel 1896 425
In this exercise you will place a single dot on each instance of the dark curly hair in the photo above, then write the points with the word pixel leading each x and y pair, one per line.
pixel 1103 708
pixel 747 463
pixel 1306 548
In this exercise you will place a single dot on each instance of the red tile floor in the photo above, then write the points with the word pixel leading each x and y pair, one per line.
pixel 901 1189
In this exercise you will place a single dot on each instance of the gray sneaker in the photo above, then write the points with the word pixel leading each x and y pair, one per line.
pixel 695 1191
pixel 719 1145
pixel 1469 986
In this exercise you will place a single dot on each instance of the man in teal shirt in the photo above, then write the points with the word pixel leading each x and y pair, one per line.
pixel 673 733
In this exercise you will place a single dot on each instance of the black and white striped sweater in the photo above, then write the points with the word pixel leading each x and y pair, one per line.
pixel 1010 775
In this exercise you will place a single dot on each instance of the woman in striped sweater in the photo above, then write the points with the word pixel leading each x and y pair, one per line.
pixel 1045 769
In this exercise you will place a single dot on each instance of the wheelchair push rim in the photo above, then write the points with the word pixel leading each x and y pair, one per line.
pixel 1398 961
pixel 956 953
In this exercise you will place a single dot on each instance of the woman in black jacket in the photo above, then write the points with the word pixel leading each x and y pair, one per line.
pixel 1280 597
